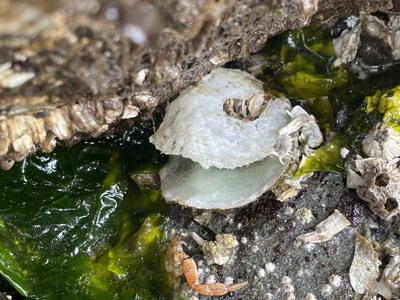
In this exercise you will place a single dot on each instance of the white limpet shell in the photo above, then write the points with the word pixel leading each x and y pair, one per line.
pixel 226 141
pixel 187 183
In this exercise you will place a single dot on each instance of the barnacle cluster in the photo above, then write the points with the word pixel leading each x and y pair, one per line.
pixel 377 182
pixel 229 140
pixel 368 42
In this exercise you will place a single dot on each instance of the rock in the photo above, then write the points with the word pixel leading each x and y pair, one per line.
pixel 86 57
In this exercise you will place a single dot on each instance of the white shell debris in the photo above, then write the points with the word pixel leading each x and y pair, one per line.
pixel 364 270
pixel 226 141
pixel 391 276
pixel 382 142
pixel 310 135
pixel 325 230
pixel 187 183
pixel 347 46
pixel 376 182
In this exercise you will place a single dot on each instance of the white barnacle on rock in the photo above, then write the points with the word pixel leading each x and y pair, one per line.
pixel 230 141
pixel 196 126
pixel 376 182
pixel 382 142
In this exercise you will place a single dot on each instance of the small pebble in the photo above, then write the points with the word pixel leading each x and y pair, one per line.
pixel 310 296
pixel 286 280
pixel 326 290
pixel 261 273
pixel 335 281
pixel 270 267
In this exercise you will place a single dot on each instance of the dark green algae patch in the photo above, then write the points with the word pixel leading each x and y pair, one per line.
pixel 73 226
pixel 299 64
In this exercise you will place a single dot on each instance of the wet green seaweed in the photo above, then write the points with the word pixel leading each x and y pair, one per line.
pixel 300 64
pixel 387 104
pixel 73 226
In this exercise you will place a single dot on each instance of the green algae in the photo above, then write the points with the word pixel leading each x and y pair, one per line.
pixel 73 226
pixel 326 158
pixel 386 103
pixel 300 63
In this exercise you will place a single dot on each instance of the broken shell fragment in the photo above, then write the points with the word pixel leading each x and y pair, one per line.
pixel 376 182
pixel 382 142
pixel 187 183
pixel 364 270
pixel 196 126
pixel 327 229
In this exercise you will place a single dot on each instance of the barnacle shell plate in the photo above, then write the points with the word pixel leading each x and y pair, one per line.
pixel 196 126
pixel 187 183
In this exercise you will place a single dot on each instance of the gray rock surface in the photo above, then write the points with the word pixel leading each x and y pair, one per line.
pixel 276 264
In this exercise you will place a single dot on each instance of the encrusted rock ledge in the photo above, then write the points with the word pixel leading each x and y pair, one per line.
pixel 69 69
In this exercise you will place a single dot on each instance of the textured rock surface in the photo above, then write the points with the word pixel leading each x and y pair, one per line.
pixel 89 64
pixel 270 255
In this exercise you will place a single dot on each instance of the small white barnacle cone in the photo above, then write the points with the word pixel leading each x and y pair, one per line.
pixel 377 182
pixel 382 142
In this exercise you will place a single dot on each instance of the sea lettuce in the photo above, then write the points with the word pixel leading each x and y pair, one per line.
pixel 300 63
pixel 72 226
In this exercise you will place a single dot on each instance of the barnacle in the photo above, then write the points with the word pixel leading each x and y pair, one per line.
pixel 376 182
pixel 197 127
pixel 382 142
pixel 219 251
pixel 230 141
